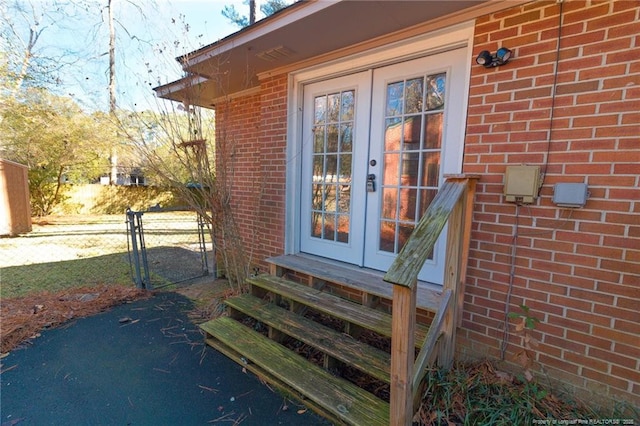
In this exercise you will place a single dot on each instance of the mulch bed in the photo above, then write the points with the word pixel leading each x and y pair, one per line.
pixel 23 318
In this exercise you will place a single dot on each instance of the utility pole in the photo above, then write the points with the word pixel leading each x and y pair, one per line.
pixel 112 89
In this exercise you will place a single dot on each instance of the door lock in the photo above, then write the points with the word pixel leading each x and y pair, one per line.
pixel 371 183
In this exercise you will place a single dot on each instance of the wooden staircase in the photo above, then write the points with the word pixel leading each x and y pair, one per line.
pixel 322 331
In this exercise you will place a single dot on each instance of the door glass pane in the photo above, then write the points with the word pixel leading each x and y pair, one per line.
pixel 404 231
pixel 344 198
pixel 331 170
pixel 413 94
pixel 320 109
pixel 392 134
pixel 433 130
pixel 332 165
pixel 431 169
pixel 316 224
pixel 411 159
pixel 348 104
pixel 333 107
pixel 316 197
pixel 318 139
pixel 346 137
pixel 389 202
pixel 408 200
pixel 345 169
pixel 391 170
pixel 395 98
pixel 411 133
pixel 435 94
pixel 387 236
pixel 343 228
pixel 318 167
pixel 332 138
pixel 329 229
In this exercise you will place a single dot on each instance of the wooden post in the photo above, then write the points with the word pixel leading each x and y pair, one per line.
pixel 467 218
pixel 451 282
pixel 402 354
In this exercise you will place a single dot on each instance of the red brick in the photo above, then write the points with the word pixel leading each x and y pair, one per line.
pixel 628 106
pixel 580 87
pixel 597 274
pixel 618 289
pixel 586 361
pixel 611 20
pixel 632 327
pixel 522 18
pixel 569 302
pixel 606 47
pixel 605 378
pixel 585 14
pixel 626 350
pixel 625 29
pixel 560 364
pixel 616 336
pixel 617 131
pixel 622 56
pixel 616 312
pixel 587 169
pixel 588 339
pixel 631 374
pixel 613 357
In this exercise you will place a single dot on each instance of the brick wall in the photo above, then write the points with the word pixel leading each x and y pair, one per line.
pixel 252 131
pixel 578 270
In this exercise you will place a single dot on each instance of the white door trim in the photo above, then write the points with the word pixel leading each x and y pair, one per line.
pixel 457 36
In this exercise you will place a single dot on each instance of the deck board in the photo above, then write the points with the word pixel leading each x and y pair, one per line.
pixel 343 399
pixel 333 305
pixel 345 348
pixel 349 276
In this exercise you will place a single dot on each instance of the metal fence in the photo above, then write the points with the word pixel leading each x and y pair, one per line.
pixel 186 258
pixel 66 251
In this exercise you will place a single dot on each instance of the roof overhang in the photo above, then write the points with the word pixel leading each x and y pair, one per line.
pixel 311 32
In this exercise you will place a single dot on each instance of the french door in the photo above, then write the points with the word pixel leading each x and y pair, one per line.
pixel 375 147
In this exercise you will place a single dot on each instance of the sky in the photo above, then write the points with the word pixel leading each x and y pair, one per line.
pixel 150 34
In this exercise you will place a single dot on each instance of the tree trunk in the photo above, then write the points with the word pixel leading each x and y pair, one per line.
pixel 252 12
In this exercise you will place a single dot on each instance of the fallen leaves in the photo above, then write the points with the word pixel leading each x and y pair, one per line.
pixel 23 318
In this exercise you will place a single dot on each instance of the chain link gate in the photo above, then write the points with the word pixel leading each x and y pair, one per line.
pixel 137 250
pixel 166 251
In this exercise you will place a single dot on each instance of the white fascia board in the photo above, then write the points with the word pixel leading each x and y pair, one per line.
pixel 182 84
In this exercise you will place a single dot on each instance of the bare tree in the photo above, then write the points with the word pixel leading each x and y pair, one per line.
pixel 35 31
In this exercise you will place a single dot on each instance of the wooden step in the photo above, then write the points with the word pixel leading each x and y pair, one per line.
pixel 340 346
pixel 361 279
pixel 342 399
pixel 337 307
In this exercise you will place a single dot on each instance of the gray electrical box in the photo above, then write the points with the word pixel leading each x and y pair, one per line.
pixel 570 194
pixel 521 183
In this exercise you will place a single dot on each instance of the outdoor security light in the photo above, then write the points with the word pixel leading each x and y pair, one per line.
pixel 486 59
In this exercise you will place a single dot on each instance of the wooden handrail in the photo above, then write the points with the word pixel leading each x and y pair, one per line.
pixel 449 205
pixel 404 270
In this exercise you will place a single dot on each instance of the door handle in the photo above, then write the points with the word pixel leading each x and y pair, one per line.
pixel 371 182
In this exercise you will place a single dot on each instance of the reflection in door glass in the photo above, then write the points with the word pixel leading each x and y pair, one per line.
pixel 414 111
pixel 332 166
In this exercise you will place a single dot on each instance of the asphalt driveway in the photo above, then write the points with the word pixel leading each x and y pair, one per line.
pixel 142 363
